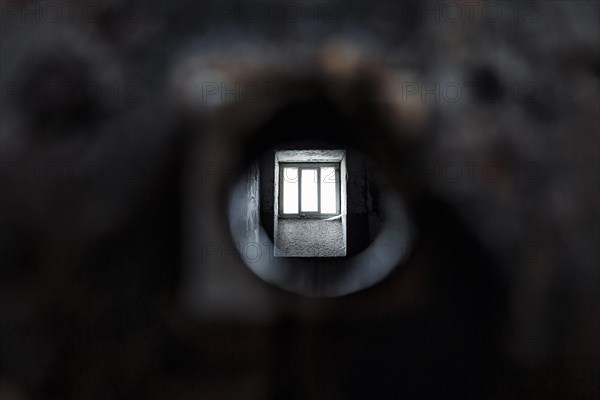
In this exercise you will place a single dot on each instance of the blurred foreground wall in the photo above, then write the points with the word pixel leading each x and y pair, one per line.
pixel 126 128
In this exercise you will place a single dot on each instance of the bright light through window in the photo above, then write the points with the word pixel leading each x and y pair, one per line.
pixel 310 191
pixel 290 190
pixel 328 190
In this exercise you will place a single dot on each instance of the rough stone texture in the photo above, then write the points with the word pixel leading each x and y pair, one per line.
pixel 247 195
pixel 310 238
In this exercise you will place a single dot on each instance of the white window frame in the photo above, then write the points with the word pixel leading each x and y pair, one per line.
pixel 306 166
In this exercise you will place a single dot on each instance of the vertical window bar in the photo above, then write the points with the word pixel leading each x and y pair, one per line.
pixel 319 189
pixel 338 189
pixel 300 190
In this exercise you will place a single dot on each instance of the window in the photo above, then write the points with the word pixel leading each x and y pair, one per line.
pixel 309 190
pixel 310 203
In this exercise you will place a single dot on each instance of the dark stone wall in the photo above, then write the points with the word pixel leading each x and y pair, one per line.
pixel 118 275
pixel 247 197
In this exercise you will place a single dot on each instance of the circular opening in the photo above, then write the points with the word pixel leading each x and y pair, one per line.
pixel 373 227
pixel 367 231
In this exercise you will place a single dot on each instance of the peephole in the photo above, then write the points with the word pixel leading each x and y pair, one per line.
pixel 307 192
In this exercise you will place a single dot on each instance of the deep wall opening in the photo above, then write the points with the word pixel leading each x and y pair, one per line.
pixel 363 213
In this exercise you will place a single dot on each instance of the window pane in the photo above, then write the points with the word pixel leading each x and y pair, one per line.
pixel 290 190
pixel 309 201
pixel 328 190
